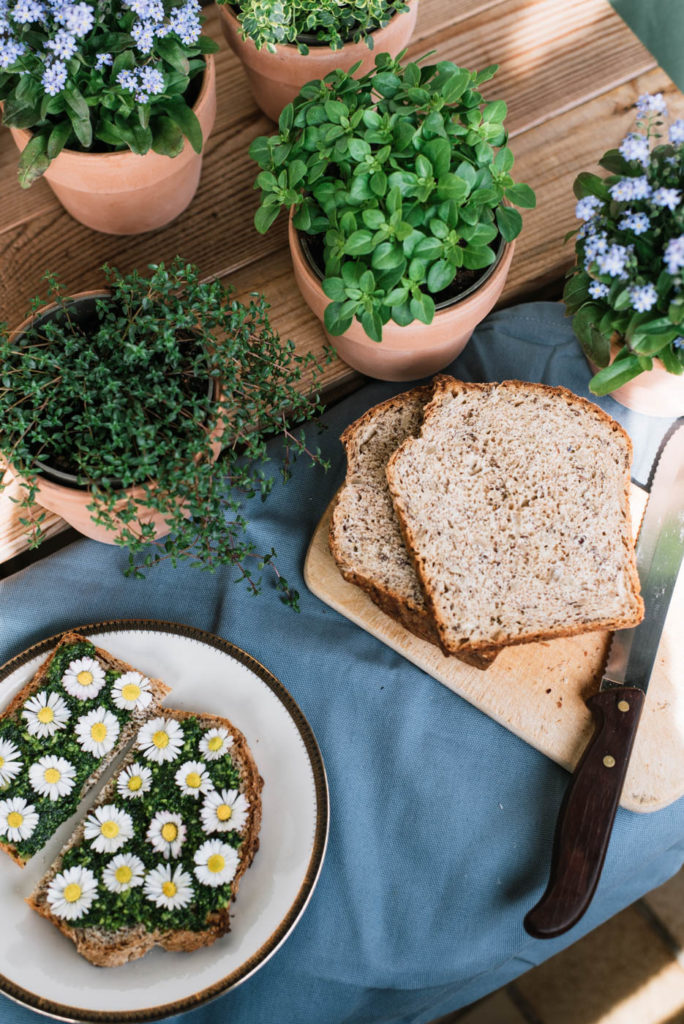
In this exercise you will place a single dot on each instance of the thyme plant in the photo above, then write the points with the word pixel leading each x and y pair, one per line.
pixel 628 282
pixel 100 76
pixel 301 23
pixel 404 177
pixel 120 397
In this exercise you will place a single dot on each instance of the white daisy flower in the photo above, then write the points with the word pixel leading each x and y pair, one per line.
pixel 52 776
pixel 192 778
pixel 71 893
pixel 168 887
pixel 125 871
pixel 131 691
pixel 18 819
pixel 216 863
pixel 108 828
pixel 134 780
pixel 97 732
pixel 166 833
pixel 215 743
pixel 84 678
pixel 45 713
pixel 224 811
pixel 161 739
pixel 10 762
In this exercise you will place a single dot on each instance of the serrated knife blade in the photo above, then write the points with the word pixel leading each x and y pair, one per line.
pixel 590 804
pixel 659 553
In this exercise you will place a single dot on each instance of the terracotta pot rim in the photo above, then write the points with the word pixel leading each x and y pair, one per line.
pixel 47 484
pixel 442 306
pixel 208 79
pixel 459 303
pixel 323 52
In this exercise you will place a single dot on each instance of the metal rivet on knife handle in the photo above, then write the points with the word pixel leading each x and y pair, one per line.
pixel 623 705
pixel 609 761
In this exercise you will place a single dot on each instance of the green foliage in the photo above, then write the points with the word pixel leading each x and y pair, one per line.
pixel 121 397
pixel 402 174
pixel 270 23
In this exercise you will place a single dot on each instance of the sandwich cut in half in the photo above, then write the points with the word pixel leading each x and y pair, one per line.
pixel 514 505
pixel 159 858
pixel 60 733
pixel 365 538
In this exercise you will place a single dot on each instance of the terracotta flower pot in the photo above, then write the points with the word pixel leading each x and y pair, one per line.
pixel 123 193
pixel 405 353
pixel 70 502
pixel 653 393
pixel 276 78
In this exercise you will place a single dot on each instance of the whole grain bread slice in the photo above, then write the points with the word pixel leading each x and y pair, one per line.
pixel 110 948
pixel 514 505
pixel 13 726
pixel 365 537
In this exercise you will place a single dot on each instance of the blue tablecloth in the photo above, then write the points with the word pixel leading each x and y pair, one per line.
pixel 441 820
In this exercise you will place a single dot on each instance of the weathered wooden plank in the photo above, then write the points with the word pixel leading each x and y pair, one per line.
pixel 552 56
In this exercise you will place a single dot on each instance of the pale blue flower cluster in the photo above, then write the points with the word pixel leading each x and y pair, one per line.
pixel 635 147
pixel 636 222
pixel 668 197
pixel 607 255
pixel 587 207
pixel 674 255
pixel 644 297
pixel 65 23
pixel 144 82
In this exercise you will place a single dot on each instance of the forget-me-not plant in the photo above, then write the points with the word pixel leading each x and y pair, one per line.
pixel 627 286
pixel 100 75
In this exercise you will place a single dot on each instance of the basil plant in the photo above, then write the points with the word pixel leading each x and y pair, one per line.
pixel 403 179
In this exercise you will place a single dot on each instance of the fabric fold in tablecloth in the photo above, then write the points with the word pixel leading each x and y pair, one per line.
pixel 441 820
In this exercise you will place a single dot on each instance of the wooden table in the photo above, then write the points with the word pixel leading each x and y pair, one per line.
pixel 569 72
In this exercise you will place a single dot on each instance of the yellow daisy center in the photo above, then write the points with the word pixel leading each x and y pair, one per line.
pixel 131 691
pixel 109 829
pixel 216 863
pixel 14 819
pixel 52 775
pixel 72 893
pixel 169 888
pixel 2 760
pixel 123 874
pixel 46 715
pixel 135 783
pixel 193 780
pixel 160 739
pixel 98 732
pixel 215 743
pixel 85 678
pixel 224 812
pixel 169 831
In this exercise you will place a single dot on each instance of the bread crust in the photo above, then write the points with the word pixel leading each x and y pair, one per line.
pixel 112 949
pixel 159 690
pixel 445 386
pixel 418 620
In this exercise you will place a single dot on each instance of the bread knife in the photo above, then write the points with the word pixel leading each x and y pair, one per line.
pixel 590 804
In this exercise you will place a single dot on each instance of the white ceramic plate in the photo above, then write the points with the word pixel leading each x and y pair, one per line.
pixel 41 968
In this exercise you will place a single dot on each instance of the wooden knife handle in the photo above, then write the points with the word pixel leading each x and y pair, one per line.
pixel 586 816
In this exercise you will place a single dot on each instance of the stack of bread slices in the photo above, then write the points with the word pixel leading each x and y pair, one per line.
pixel 485 515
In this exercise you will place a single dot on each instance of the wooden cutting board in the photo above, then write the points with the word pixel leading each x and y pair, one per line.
pixel 537 691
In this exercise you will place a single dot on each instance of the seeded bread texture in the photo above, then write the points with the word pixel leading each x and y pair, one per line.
pixel 158 690
pixel 365 538
pixel 112 949
pixel 514 504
